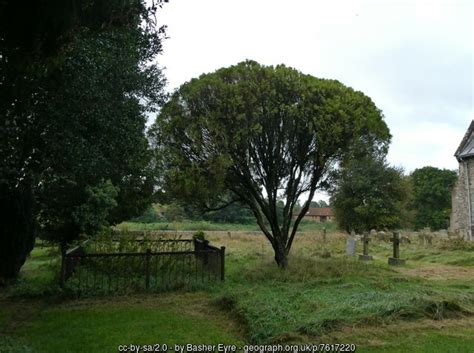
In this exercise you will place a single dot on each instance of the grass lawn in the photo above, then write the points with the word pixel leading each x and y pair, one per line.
pixel 426 306
pixel 102 325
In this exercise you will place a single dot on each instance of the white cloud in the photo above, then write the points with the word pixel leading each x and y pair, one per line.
pixel 423 143
pixel 414 58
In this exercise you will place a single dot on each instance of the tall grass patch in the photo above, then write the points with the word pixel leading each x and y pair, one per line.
pixel 316 295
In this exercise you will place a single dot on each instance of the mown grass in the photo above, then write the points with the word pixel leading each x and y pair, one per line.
pixel 109 326
pixel 450 340
pixel 322 296
pixel 452 336
pixel 97 326
pixel 39 275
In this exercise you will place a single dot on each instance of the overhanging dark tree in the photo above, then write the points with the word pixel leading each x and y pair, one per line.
pixel 54 60
pixel 261 134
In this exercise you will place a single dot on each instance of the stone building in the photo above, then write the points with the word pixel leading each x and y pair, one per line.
pixel 462 214
pixel 318 214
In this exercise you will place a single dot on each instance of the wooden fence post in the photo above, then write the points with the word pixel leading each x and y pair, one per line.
pixel 222 263
pixel 147 269
pixel 63 268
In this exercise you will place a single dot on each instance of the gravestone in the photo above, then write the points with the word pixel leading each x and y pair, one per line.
pixel 442 233
pixel 365 252
pixel 395 260
pixel 383 236
pixel 429 238
pixel 351 246
pixel 422 238
pixel 426 236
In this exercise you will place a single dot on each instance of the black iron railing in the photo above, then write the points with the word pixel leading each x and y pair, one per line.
pixel 189 263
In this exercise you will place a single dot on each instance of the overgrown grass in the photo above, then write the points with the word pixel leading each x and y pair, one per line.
pixel 210 226
pixel 316 296
pixel 448 252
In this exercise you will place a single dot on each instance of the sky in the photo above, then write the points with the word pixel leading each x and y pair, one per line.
pixel 413 58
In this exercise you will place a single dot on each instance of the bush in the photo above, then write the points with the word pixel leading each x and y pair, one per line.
pixel 149 216
pixel 199 236
pixel 457 244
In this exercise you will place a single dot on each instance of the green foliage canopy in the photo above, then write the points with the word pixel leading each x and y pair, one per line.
pixel 98 91
pixel 75 84
pixel 368 194
pixel 256 135
pixel 431 202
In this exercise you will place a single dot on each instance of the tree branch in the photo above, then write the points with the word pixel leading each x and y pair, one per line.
pixel 209 209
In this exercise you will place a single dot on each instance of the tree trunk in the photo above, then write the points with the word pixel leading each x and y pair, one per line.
pixel 281 257
pixel 17 231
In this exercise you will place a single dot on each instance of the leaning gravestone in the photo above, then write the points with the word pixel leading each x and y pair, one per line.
pixel 365 255
pixel 395 260
pixel 351 246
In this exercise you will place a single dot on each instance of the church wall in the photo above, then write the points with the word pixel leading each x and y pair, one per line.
pixel 460 219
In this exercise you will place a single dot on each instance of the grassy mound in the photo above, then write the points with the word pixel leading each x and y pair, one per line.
pixel 317 296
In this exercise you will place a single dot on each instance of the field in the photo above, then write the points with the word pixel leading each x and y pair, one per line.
pixel 305 226
pixel 324 297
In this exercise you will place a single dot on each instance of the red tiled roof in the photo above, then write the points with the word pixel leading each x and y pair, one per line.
pixel 319 211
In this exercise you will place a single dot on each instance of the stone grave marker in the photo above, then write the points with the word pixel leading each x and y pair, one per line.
pixel 421 237
pixel 365 252
pixel 351 245
pixel 395 260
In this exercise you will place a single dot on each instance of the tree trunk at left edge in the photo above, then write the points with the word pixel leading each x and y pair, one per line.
pixel 17 231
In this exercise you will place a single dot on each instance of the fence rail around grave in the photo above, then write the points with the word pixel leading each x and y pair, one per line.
pixel 186 263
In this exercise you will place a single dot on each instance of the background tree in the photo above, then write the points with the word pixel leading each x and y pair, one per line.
pixel 407 215
pixel 174 212
pixel 368 194
pixel 257 135
pixel 432 196
pixel 234 213
pixel 319 204
pixel 75 82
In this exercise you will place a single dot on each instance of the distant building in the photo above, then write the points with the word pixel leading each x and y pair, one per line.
pixel 462 214
pixel 319 214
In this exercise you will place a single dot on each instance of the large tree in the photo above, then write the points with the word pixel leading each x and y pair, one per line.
pixel 256 135
pixel 431 200
pixel 368 194
pixel 75 84
pixel 99 163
